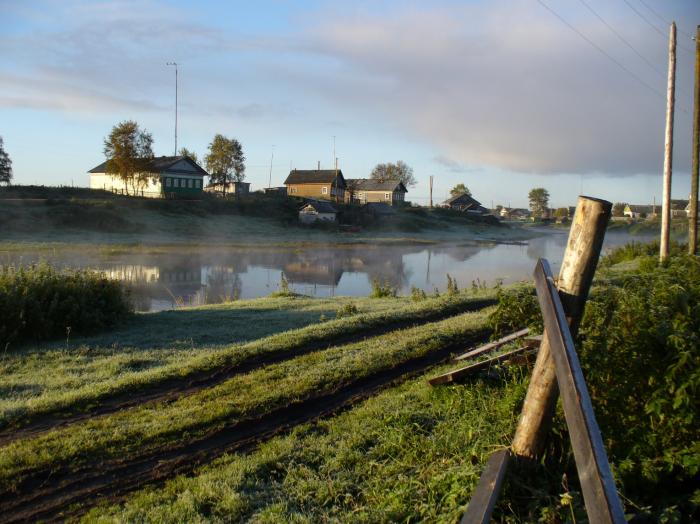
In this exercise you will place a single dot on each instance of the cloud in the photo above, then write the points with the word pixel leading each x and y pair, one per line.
pixel 500 84
pixel 455 167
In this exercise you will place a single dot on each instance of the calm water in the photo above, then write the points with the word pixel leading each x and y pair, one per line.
pixel 198 277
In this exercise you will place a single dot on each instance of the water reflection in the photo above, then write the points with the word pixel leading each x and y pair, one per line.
pixel 164 281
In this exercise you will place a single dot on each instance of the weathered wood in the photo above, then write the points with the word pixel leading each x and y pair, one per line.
pixel 597 483
pixel 486 492
pixel 693 215
pixel 456 374
pixel 668 146
pixel 578 267
pixel 492 345
pixel 534 340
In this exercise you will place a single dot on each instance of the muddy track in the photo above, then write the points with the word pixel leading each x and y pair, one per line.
pixel 171 389
pixel 54 495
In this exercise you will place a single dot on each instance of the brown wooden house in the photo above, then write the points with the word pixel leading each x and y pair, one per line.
pixel 324 184
pixel 365 190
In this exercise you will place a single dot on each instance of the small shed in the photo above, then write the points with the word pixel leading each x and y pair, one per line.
pixel 315 211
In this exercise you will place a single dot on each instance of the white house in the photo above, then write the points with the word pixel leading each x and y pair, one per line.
pixel 317 211
pixel 168 176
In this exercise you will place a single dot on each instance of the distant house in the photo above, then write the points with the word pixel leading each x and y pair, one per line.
pixel 364 190
pixel 637 211
pixel 326 184
pixel 276 191
pixel 515 213
pixel 315 211
pixel 232 188
pixel 465 203
pixel 171 176
pixel 680 208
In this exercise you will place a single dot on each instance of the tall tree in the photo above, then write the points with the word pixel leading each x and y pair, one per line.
pixel 129 152
pixel 398 171
pixel 225 161
pixel 5 165
pixel 191 154
pixel 460 189
pixel 539 201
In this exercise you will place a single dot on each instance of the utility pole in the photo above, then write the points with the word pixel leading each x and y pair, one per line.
pixel 272 155
pixel 668 146
pixel 431 191
pixel 693 216
pixel 175 64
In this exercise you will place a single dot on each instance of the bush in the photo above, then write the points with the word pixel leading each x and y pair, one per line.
pixel 452 288
pixel 517 308
pixel 39 302
pixel 380 290
pixel 347 310
pixel 417 294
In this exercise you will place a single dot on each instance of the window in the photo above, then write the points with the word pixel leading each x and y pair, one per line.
pixel 387 196
pixel 189 183
pixel 324 190
pixel 168 182
pixel 177 182
pixel 197 184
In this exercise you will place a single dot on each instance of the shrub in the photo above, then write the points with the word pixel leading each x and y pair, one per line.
pixel 39 302
pixel 517 308
pixel 417 294
pixel 283 288
pixel 346 310
pixel 452 288
pixel 380 290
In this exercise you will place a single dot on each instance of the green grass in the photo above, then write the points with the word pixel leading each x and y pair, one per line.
pixel 69 376
pixel 413 453
pixel 151 427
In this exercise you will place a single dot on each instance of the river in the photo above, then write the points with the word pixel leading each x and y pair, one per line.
pixel 166 281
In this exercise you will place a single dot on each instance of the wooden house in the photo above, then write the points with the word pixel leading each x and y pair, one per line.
pixel 637 211
pixel 166 176
pixel 367 190
pixel 465 203
pixel 232 188
pixel 324 184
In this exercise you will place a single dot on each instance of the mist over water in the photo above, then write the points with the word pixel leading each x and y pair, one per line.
pixel 166 281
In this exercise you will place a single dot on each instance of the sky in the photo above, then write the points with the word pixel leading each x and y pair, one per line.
pixel 503 96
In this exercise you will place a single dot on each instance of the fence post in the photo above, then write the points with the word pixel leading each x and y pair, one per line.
pixel 577 269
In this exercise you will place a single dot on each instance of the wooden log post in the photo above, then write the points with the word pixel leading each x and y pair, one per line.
pixel 693 214
pixel 665 247
pixel 575 277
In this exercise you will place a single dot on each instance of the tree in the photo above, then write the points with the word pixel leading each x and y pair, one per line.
pixel 399 171
pixel 460 189
pixel 191 154
pixel 5 165
pixel 129 153
pixel 561 212
pixel 225 161
pixel 618 209
pixel 539 201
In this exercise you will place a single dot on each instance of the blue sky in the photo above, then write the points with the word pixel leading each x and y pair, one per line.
pixel 500 95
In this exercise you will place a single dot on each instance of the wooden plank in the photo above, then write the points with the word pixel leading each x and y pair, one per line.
pixel 492 345
pixel 534 340
pixel 454 375
pixel 597 483
pixel 486 493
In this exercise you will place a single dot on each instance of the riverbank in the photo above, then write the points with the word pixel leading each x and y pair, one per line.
pixel 54 217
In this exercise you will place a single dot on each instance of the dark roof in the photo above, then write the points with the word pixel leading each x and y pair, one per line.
pixel 640 209
pixel 313 176
pixel 380 208
pixel 157 165
pixel 320 207
pixel 679 204
pixel 369 184
pixel 462 200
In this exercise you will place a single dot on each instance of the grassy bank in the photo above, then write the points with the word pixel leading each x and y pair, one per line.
pixel 143 429
pixel 65 215
pixel 154 348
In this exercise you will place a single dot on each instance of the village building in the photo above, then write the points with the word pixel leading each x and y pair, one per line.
pixel 232 188
pixel 315 211
pixel 640 211
pixel 365 190
pixel 466 204
pixel 680 208
pixel 324 184
pixel 167 176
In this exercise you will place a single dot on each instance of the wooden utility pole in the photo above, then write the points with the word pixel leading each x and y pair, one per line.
pixel 693 216
pixel 668 146
pixel 431 191
pixel 577 269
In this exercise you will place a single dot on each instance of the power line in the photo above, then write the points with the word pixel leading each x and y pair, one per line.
pixel 664 20
pixel 653 26
pixel 607 55
pixel 625 41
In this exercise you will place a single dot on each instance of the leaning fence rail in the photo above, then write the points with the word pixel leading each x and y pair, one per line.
pixel 597 483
